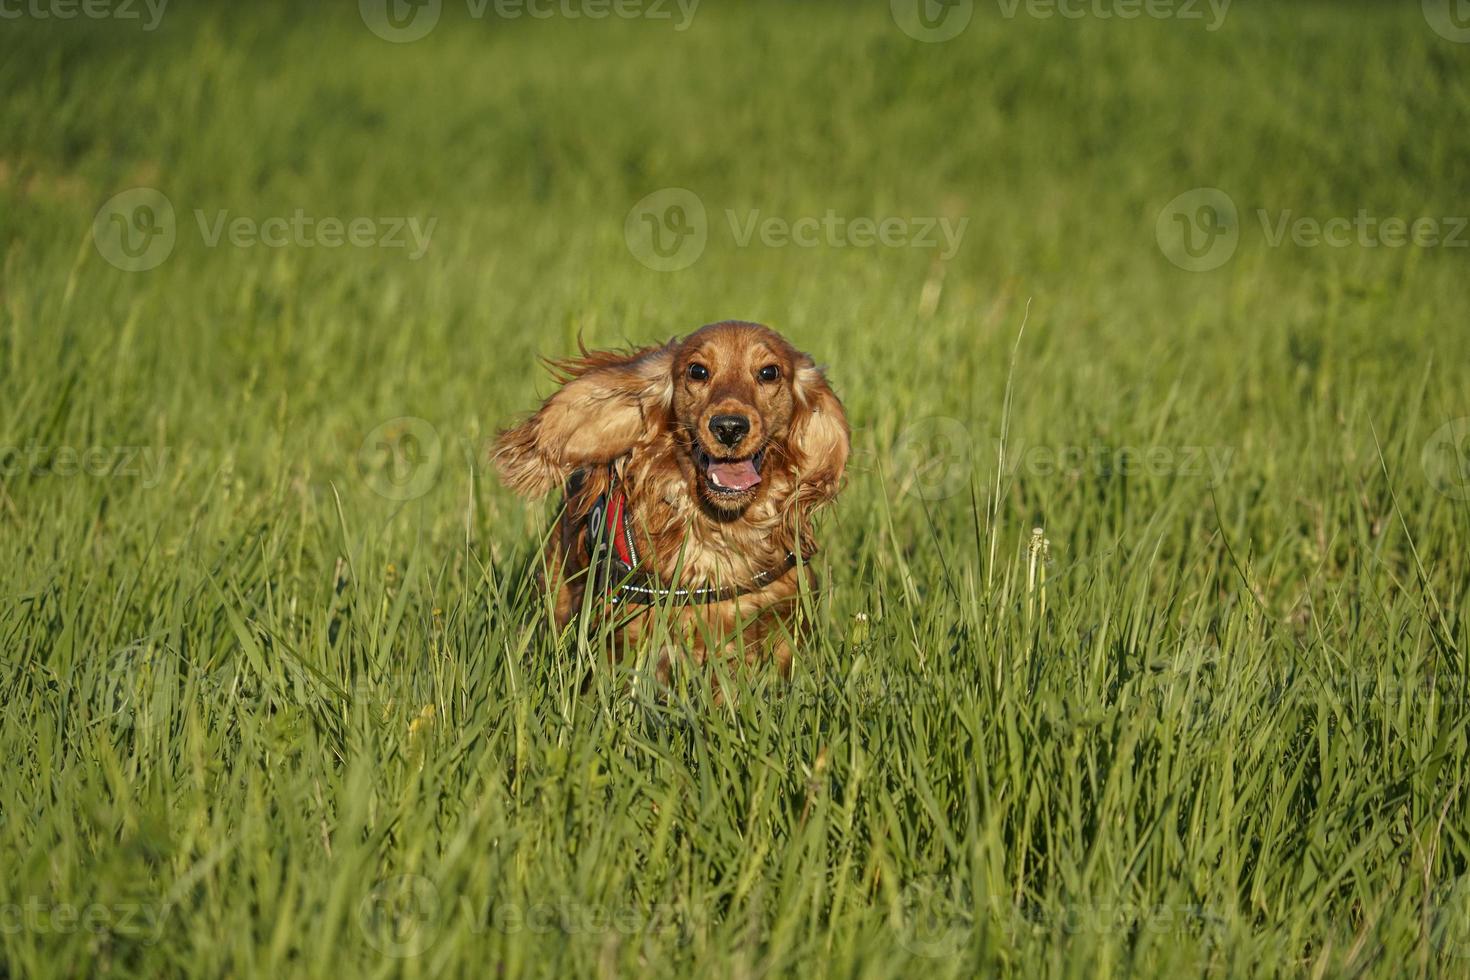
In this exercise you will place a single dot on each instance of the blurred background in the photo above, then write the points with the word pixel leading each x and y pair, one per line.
pixel 536 155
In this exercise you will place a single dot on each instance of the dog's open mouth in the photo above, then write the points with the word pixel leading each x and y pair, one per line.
pixel 730 477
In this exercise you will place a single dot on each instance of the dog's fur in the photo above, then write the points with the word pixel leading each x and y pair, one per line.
pixel 641 415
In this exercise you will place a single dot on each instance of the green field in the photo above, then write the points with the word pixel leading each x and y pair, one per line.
pixel 275 698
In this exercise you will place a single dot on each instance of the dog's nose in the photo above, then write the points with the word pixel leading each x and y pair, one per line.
pixel 729 429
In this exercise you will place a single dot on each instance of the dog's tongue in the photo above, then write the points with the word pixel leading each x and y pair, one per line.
pixel 738 475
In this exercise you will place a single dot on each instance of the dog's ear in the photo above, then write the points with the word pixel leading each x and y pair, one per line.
pixel 608 403
pixel 819 434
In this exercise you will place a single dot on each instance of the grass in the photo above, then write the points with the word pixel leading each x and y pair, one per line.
pixel 262 718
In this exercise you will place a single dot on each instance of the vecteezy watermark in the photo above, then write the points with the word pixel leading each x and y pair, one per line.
pixel 400 459
pixel 833 230
pixel 1363 230
pixel 1449 919
pixel 144 921
pixel 148 12
pixel 934 21
pixel 1200 229
pixel 1121 918
pixel 404 916
pixel 875 691
pixel 142 463
pixel 934 923
pixel 137 230
pixel 669 229
pixel 1446 459
pixel 302 230
pixel 1365 687
pixel 1450 19
pixel 403 21
pixel 937 457
pixel 571 917
pixel 1210 12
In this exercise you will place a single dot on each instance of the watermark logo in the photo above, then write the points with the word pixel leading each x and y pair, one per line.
pixel 934 457
pixel 1449 925
pixel 571 917
pixel 135 230
pixel 401 916
pixel 135 677
pixel 401 458
pixel 147 683
pixel 1446 459
pixel 667 230
pixel 1121 918
pixel 932 21
pixel 1198 230
pixel 1450 19
pixel 400 21
pixel 931 923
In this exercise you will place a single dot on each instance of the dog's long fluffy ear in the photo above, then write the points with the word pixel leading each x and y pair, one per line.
pixel 608 403
pixel 819 435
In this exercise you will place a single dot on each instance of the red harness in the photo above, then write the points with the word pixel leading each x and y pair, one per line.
pixel 619 528
pixel 610 536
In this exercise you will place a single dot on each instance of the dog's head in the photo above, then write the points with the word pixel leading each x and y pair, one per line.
pixel 743 413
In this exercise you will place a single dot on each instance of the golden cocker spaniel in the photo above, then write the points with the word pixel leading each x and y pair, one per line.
pixel 690 472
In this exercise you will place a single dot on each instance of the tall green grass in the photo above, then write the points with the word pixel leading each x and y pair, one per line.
pixel 262 717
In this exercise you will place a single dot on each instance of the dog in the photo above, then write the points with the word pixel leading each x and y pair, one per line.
pixel 690 472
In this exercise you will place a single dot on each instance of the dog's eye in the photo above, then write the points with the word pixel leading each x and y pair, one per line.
pixel 698 372
pixel 769 373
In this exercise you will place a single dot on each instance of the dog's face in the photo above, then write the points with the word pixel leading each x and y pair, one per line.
pixel 733 400
pixel 739 413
